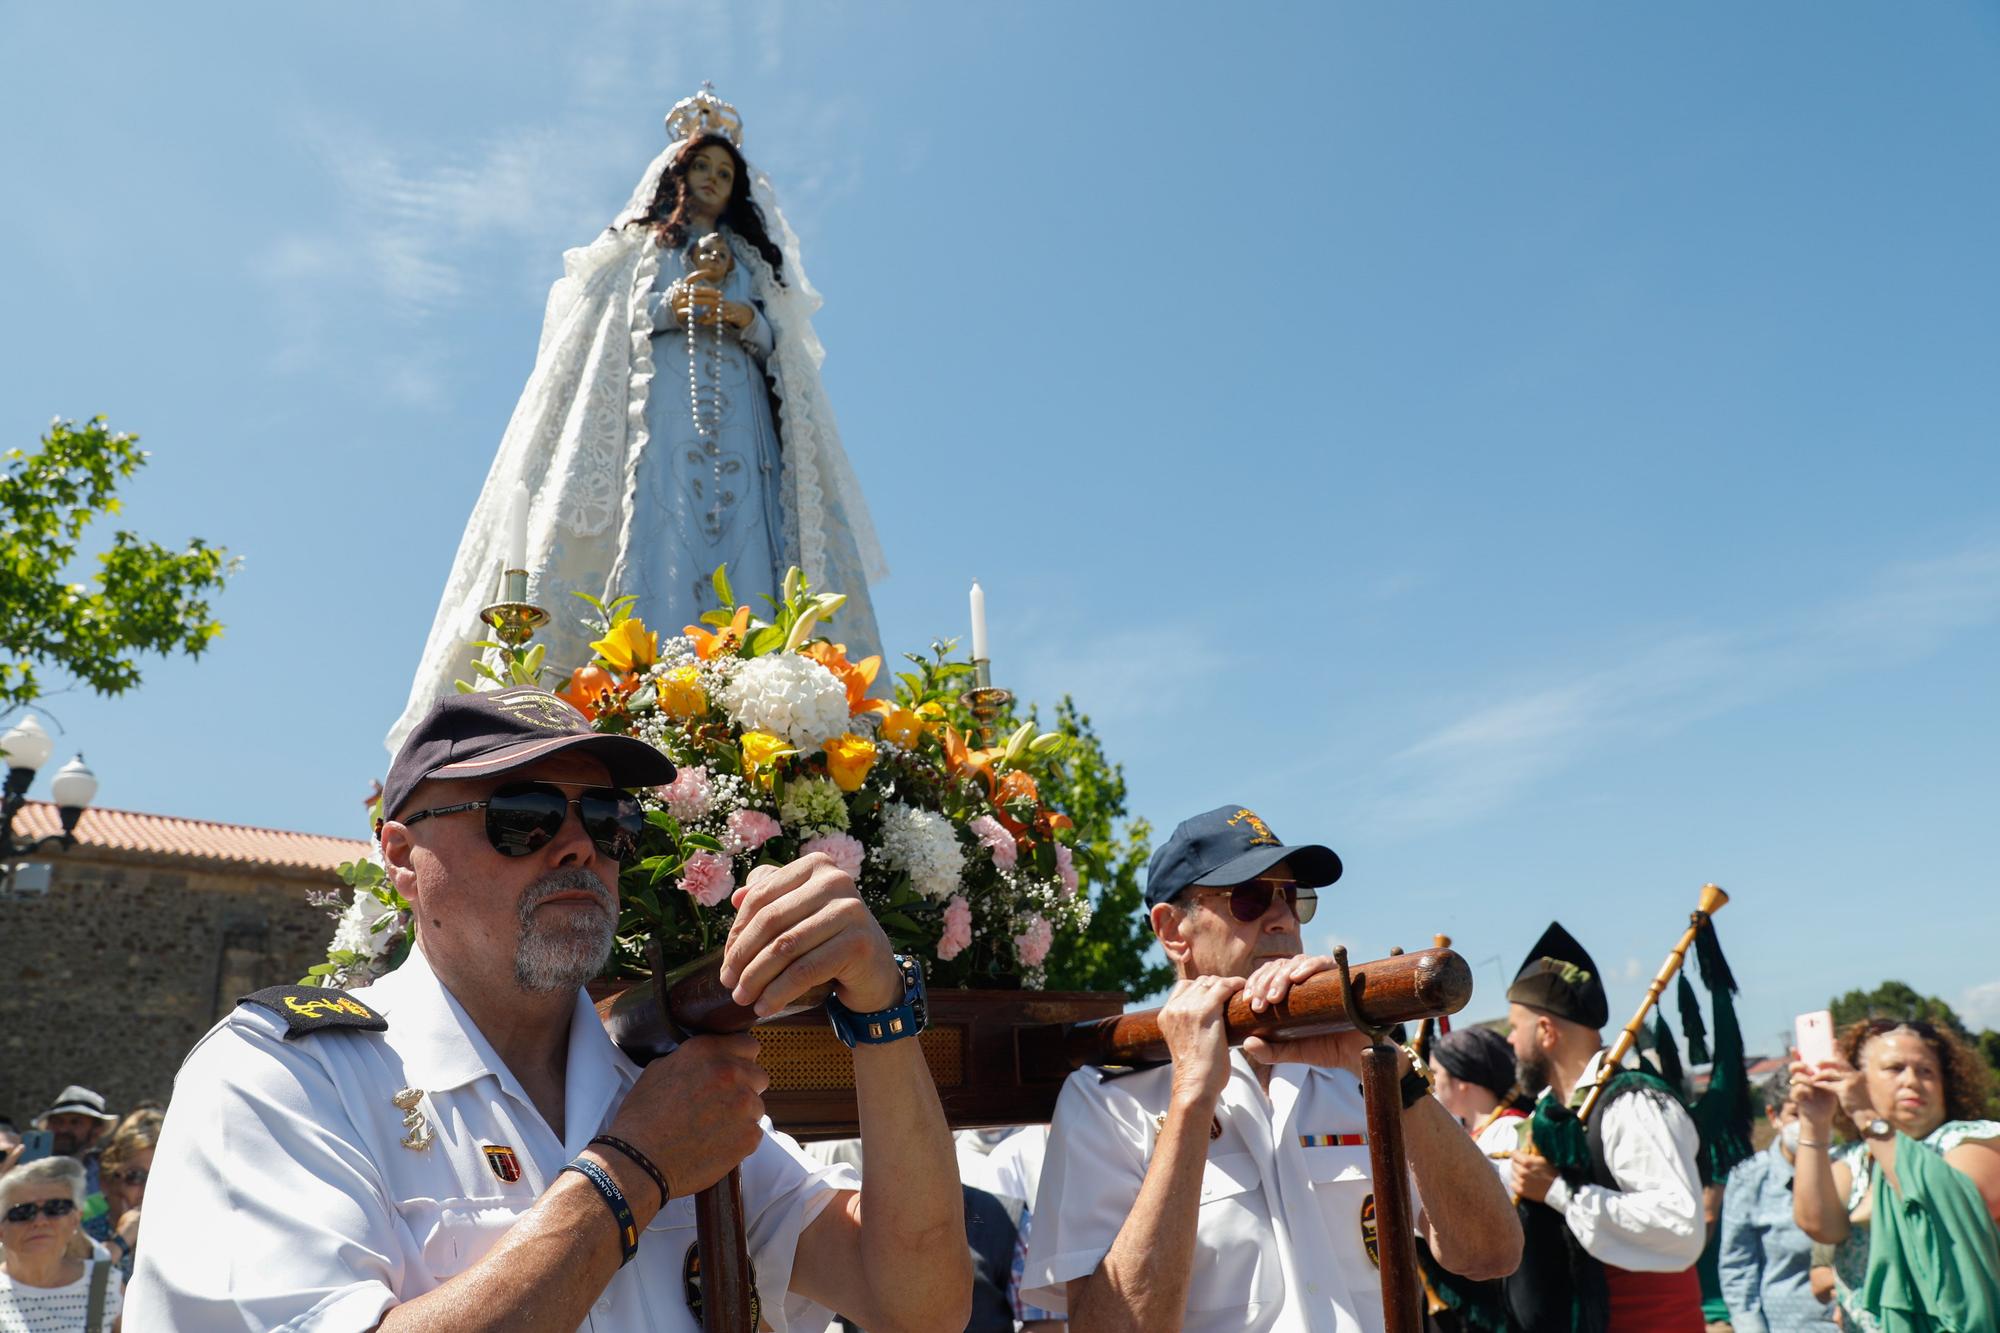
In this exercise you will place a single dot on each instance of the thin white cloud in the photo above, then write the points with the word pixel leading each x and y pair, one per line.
pixel 1979 1006
pixel 1475 765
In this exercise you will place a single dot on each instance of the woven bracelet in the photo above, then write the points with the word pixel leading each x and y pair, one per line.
pixel 614 1198
pixel 645 1162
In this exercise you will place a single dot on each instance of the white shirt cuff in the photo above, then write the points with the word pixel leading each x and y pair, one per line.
pixel 1558 1195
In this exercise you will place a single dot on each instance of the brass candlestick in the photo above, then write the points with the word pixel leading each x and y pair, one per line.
pixel 985 699
pixel 514 618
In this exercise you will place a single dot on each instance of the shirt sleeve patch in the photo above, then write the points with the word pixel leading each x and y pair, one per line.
pixel 312 1008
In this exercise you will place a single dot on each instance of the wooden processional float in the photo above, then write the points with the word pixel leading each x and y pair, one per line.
pixel 1000 1058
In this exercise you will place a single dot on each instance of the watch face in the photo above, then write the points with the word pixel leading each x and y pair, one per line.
pixel 1878 1128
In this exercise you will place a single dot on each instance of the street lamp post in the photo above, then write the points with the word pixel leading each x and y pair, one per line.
pixel 27 748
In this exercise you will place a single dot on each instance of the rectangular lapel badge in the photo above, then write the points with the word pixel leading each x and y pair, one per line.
pixel 504 1163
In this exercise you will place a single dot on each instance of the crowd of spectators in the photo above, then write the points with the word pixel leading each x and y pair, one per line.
pixel 72 1186
pixel 1875 1207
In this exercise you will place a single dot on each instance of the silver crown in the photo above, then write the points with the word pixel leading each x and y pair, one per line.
pixel 704 113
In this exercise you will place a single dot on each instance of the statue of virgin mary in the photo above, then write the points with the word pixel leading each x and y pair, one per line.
pixel 674 422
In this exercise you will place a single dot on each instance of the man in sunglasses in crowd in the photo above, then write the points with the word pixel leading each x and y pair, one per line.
pixel 460 1146
pixel 1231 1191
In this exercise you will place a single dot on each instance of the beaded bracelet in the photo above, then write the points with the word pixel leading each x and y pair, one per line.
pixel 645 1162
pixel 614 1198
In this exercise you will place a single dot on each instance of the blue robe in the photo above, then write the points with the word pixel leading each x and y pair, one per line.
pixel 695 523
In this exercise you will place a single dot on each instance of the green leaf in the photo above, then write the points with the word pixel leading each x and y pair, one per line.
pixel 765 640
pixel 723 594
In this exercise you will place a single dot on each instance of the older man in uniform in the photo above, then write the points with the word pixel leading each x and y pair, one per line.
pixel 1231 1191
pixel 460 1146
pixel 1619 1246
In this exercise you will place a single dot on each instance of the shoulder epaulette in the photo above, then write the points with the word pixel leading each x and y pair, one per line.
pixel 312 1008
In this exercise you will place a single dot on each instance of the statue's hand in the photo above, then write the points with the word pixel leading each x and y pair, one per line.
pixel 687 297
pixel 803 924
pixel 738 315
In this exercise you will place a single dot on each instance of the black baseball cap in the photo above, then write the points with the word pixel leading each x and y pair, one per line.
pixel 1229 845
pixel 478 735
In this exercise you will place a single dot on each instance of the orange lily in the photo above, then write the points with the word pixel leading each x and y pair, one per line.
pixel 711 644
pixel 960 760
pixel 591 691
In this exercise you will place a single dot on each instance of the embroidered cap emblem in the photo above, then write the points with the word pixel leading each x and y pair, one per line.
pixel 691 1286
pixel 503 1161
pixel 1371 1239
pixel 539 710
pixel 1264 838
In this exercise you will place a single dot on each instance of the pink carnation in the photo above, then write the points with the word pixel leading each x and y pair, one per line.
pixel 957 929
pixel 688 795
pixel 1031 946
pixel 749 830
pixel 845 850
pixel 995 839
pixel 1066 869
pixel 707 879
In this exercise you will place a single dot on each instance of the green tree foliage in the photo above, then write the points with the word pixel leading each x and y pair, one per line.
pixel 1894 999
pixel 146 598
pixel 1112 955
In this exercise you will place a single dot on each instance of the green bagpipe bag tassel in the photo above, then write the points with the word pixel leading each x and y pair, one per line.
pixel 1723 1114
pixel 1691 1024
pixel 1666 1052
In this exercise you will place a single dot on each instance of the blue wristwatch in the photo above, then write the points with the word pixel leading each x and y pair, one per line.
pixel 896 1022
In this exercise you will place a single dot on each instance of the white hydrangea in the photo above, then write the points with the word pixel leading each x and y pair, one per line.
pixel 925 845
pixel 789 696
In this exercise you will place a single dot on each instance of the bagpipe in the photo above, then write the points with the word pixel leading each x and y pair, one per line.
pixel 1722 1113
pixel 1000 1058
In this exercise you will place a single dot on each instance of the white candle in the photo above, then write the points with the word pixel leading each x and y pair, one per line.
pixel 517 528
pixel 978 622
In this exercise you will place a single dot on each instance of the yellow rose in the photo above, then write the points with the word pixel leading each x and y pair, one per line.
pixel 760 751
pixel 681 693
pixel 932 716
pixel 629 647
pixel 902 727
pixel 848 759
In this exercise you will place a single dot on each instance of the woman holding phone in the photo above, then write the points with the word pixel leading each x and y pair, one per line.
pixel 1925 1170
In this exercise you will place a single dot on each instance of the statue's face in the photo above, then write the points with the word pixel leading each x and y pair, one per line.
pixel 710 178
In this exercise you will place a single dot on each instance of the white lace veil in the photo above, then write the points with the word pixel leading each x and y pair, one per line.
pixel 577 432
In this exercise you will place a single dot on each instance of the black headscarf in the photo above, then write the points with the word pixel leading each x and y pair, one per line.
pixel 1479 1056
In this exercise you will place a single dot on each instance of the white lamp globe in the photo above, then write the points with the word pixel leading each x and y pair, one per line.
pixel 26 745
pixel 75 786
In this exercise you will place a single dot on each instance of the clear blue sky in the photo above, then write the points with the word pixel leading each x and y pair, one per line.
pixel 1547 452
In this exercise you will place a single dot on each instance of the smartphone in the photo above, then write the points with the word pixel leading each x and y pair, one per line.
pixel 1814 1032
pixel 35 1145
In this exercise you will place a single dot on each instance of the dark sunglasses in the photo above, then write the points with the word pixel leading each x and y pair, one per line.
pixel 23 1212
pixel 524 818
pixel 1249 902
pixel 132 1175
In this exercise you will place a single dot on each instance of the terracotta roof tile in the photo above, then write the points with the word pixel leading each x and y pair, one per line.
pixel 198 839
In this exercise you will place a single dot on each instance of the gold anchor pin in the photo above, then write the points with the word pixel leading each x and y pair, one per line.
pixel 407 1101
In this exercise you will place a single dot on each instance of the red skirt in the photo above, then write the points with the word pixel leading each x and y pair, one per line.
pixel 1654 1302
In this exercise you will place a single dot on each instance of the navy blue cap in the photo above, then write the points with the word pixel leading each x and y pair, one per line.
pixel 1229 845
pixel 496 731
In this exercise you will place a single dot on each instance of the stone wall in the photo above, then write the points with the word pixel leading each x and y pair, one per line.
pixel 114 974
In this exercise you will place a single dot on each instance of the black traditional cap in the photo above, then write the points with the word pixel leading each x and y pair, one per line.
pixel 1561 978
pixel 478 735
pixel 1229 845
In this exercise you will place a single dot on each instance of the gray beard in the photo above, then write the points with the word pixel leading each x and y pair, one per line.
pixel 561 954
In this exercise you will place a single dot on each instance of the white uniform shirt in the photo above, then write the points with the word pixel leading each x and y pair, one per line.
pixel 1652 1223
pixel 1281 1221
pixel 284 1198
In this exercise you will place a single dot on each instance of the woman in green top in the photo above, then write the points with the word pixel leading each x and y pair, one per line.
pixel 1903 1087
